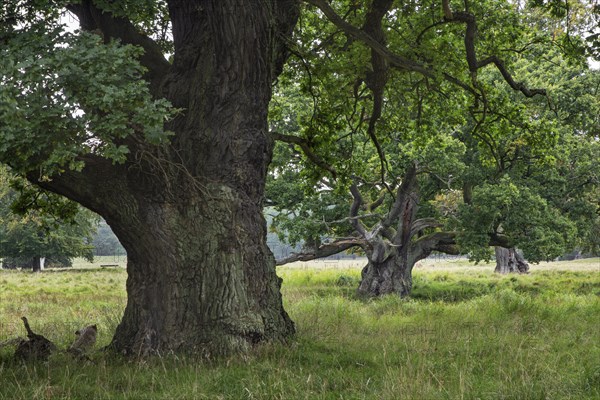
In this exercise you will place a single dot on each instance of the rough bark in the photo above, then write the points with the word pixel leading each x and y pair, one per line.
pixel 389 270
pixel 509 260
pixel 390 275
pixel 201 278
pixel 392 258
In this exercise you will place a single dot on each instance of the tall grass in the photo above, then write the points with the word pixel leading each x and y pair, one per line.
pixel 466 333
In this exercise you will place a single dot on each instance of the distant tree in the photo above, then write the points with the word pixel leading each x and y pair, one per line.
pixel 28 236
pixel 105 242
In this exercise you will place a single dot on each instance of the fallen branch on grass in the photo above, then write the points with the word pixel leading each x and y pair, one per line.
pixel 38 348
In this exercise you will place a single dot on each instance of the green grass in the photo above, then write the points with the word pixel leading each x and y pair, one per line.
pixel 466 333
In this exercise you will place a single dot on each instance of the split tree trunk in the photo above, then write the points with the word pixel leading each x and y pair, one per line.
pixel 389 269
pixel 392 276
pixel 509 260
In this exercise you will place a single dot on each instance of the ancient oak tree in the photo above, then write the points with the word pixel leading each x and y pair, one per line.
pixel 154 115
pixel 403 131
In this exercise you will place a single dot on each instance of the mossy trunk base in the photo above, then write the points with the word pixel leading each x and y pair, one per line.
pixel 391 276
pixel 201 280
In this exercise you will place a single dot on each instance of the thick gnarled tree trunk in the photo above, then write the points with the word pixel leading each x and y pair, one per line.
pixel 392 253
pixel 392 275
pixel 201 278
pixel 389 268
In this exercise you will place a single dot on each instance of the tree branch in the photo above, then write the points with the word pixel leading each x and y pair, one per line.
pixel 447 10
pixel 307 150
pixel 444 242
pixel 286 14
pixel 497 239
pixel 91 18
pixel 378 78
pixel 470 35
pixel 411 65
pixel 397 60
pixel 375 204
pixel 92 186
pixel 423 223
pixel 356 204
pixel 324 250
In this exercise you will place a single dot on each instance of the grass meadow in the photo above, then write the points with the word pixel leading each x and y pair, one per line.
pixel 466 333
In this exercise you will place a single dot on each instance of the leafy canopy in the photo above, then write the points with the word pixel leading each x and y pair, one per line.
pixel 484 154
pixel 88 93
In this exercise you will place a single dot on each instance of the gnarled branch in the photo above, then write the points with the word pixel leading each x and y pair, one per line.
pixel 423 223
pixel 470 35
pixel 325 250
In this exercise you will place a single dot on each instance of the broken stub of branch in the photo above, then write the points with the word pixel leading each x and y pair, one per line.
pixel 36 347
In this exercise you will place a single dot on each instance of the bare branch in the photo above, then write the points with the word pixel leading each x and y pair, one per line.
pixel 324 250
